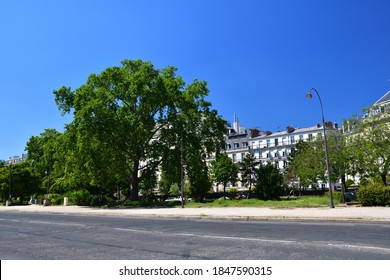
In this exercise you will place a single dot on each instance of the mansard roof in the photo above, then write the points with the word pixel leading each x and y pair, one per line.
pixel 384 99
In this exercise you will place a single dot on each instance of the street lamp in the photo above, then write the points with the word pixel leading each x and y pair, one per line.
pixel 9 201
pixel 46 201
pixel 181 171
pixel 309 95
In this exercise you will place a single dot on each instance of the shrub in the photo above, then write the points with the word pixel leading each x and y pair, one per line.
pixel 80 197
pixel 374 195
pixel 56 199
pixel 97 200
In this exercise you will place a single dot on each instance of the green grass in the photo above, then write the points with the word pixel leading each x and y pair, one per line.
pixel 284 202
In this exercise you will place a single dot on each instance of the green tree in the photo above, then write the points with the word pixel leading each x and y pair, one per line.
pixel 248 170
pixel 41 154
pixel 24 181
pixel 269 182
pixel 306 163
pixel 198 176
pixel 120 112
pixel 224 171
pixel 195 134
pixel 369 146
pixel 127 121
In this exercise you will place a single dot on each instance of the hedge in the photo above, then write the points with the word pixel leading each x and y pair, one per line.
pixel 374 195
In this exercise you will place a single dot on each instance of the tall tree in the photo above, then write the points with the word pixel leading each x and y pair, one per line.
pixel 248 170
pixel 306 162
pixel 131 116
pixel 195 134
pixel 224 171
pixel 41 153
pixel 269 182
pixel 369 145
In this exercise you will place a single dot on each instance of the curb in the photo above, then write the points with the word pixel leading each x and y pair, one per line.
pixel 198 216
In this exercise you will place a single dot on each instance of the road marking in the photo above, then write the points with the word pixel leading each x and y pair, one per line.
pixel 361 247
pixel 351 246
pixel 207 236
pixel 43 222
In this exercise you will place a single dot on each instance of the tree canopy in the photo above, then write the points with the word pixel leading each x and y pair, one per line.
pixel 130 119
pixel 224 171
pixel 368 147
pixel 269 182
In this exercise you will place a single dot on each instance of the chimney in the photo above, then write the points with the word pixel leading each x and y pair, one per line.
pixel 235 124
pixel 290 129
pixel 254 132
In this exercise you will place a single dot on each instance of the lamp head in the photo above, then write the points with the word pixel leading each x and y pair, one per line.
pixel 309 95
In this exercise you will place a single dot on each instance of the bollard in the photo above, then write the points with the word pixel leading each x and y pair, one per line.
pixel 46 202
pixel 66 201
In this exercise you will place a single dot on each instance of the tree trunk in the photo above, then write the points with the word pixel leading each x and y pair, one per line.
pixel 134 181
pixel 384 179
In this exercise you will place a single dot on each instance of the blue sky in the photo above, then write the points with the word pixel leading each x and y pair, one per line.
pixel 259 57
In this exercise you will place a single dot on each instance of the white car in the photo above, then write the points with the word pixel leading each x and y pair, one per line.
pixel 173 199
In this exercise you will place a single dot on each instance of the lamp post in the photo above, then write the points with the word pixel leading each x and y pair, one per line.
pixel 309 95
pixel 9 201
pixel 181 171
pixel 46 201
pixel 180 115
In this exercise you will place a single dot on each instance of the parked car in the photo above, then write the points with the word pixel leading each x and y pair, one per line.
pixel 172 199
pixel 350 196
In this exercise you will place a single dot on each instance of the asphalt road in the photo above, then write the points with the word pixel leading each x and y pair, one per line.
pixel 72 237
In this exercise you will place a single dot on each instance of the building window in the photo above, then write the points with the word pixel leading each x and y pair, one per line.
pixel 310 137
pixel 268 143
pixel 284 141
pixel 301 137
pixel 292 140
pixel 236 145
pixel 234 158
pixel 276 142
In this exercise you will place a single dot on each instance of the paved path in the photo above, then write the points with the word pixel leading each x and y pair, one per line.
pixel 341 213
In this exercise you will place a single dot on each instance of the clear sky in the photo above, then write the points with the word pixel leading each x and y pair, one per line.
pixel 259 57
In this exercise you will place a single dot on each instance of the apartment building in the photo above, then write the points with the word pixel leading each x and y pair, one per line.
pixel 15 159
pixel 270 147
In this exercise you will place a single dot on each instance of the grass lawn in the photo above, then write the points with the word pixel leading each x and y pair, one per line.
pixel 284 202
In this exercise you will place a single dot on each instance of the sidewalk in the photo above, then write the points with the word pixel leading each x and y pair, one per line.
pixel 340 213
